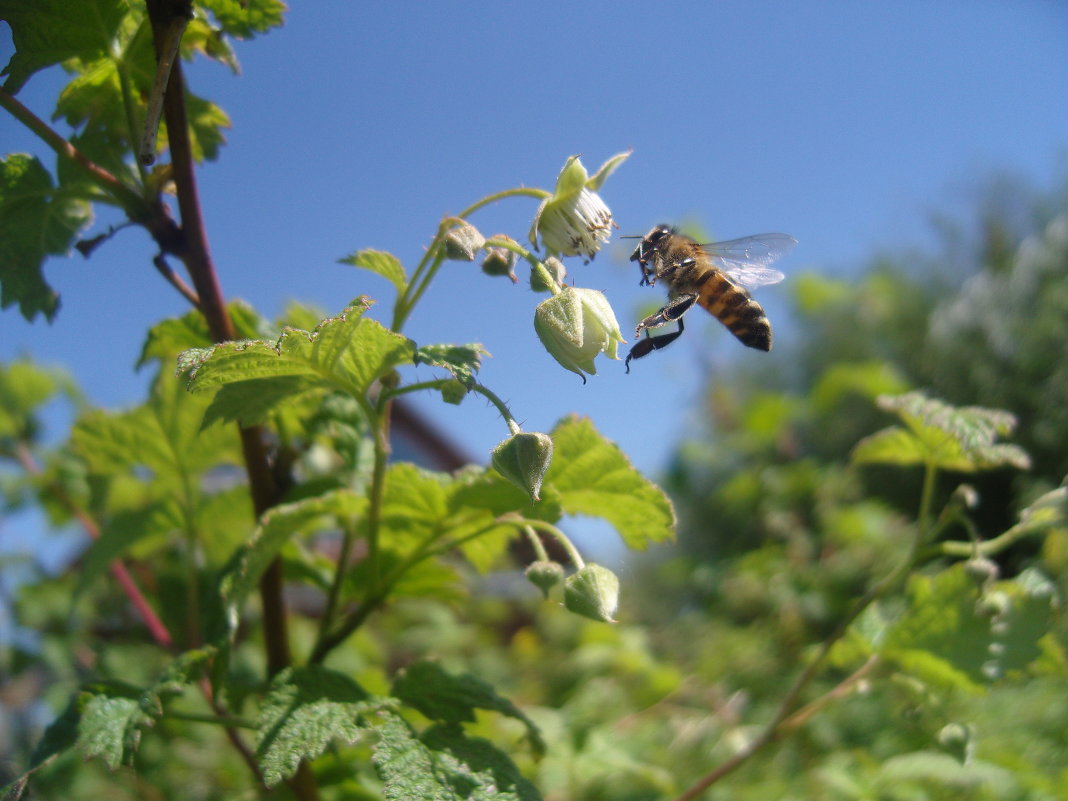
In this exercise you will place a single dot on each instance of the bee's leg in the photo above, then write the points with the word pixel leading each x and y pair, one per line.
pixel 669 313
pixel 643 347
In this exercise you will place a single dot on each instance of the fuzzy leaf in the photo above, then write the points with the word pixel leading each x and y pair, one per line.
pixel 244 19
pixel 944 436
pixel 303 711
pixel 36 221
pixel 463 361
pixel 347 353
pixel 275 528
pixel 941 638
pixel 111 724
pixel 447 767
pixel 593 477
pixel 47 32
pixel 447 698
pixel 379 261
pixel 170 337
pixel 160 436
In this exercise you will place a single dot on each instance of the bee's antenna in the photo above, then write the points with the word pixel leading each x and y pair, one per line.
pixel 632 237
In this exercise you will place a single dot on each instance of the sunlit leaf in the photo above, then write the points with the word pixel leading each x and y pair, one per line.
pixel 379 261
pixel 304 710
pixel 941 435
pixel 170 337
pixel 463 361
pixel 345 353
pixel 36 221
pixel 276 527
pixel 593 477
pixel 47 32
pixel 448 698
pixel 447 766
pixel 244 19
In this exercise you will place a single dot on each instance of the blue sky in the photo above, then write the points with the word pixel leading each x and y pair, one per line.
pixel 360 125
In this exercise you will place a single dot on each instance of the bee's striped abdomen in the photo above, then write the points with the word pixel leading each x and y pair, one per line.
pixel 736 309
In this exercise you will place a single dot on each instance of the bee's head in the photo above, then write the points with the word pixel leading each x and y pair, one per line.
pixel 650 241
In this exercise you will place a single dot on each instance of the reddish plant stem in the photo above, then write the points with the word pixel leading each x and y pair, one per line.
pixel 196 256
pixel 148 615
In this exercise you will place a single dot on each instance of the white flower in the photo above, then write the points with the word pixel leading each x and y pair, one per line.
pixel 575 220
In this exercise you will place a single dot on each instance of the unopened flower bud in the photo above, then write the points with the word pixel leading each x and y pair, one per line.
pixel 544 575
pixel 592 592
pixel 523 459
pixel 556 271
pixel 500 261
pixel 463 242
pixel 575 325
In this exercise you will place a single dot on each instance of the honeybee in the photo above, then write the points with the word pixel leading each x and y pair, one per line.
pixel 716 276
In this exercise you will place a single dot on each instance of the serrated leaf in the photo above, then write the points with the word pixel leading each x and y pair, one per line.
pixel 379 261
pixel 244 19
pixel 463 361
pixel 890 446
pixel 448 698
pixel 160 436
pixel 36 221
pixel 302 712
pixel 110 727
pixel 448 766
pixel 943 436
pixel 593 477
pixel 120 533
pixel 168 338
pixel 47 32
pixel 943 640
pixel 346 353
pixel 476 768
pixel 275 528
pixel 24 388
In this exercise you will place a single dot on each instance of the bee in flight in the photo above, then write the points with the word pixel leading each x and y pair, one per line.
pixel 716 276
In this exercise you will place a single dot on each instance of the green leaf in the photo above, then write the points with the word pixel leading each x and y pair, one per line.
pixel 379 261
pixel 36 221
pixel 463 361
pixel 890 446
pixel 943 639
pixel 47 32
pixel 447 767
pixel 941 435
pixel 276 527
pixel 303 711
pixel 347 353
pixel 594 477
pixel 111 723
pixel 244 19
pixel 475 768
pixel 446 698
pixel 120 533
pixel 170 337
pixel 24 388
pixel 160 436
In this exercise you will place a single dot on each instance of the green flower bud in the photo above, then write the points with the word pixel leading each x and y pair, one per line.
pixel 556 270
pixel 523 459
pixel 574 326
pixel 463 242
pixel 500 261
pixel 592 592
pixel 981 570
pixel 544 575
pixel 454 391
pixel 955 739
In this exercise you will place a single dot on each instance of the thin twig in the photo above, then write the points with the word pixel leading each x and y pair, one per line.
pixel 175 280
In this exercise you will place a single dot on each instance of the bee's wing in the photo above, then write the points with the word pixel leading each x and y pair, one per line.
pixel 747 261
